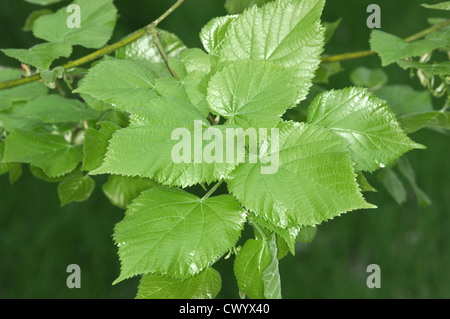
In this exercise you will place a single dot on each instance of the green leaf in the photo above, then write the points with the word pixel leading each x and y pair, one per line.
pixel 96 143
pixel 330 29
pixel 270 275
pixel 252 93
pixel 98 19
pixel 147 148
pixel 56 109
pixel 311 178
pixel 122 190
pixel 197 60
pixel 123 83
pixel 29 23
pixel 363 183
pixel 147 151
pixel 438 6
pixel 433 21
pixel 52 153
pixel 393 185
pixel 43 2
pixel 238 6
pixel 407 171
pixel 404 100
pixel 282 248
pixel 144 48
pixel 214 32
pixel 370 78
pixel 42 55
pixel 251 260
pixel 169 232
pixel 391 48
pixel 375 137
pixel 205 285
pixel 49 78
pixel 307 234
pixel 280 30
pixel 75 189
pixel 442 68
pixel 15 171
pixel 416 121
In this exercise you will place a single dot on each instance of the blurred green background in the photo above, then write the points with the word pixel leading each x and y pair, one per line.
pixel 38 239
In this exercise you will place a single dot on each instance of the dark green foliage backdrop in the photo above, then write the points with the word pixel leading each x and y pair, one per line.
pixel 38 239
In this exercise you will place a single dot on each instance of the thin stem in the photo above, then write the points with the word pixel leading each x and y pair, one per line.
pixel 428 31
pixel 157 42
pixel 97 54
pixel 212 190
pixel 347 56
pixel 362 54
pixel 168 12
pixel 258 228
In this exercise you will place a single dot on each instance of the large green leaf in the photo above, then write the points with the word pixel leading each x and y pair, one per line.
pixel 122 190
pixel 252 93
pixel 287 32
pixel 375 137
pixel 75 189
pixel 123 83
pixel 98 19
pixel 52 153
pixel 144 48
pixel 205 285
pixel 42 55
pixel 167 231
pixel 311 180
pixel 164 142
